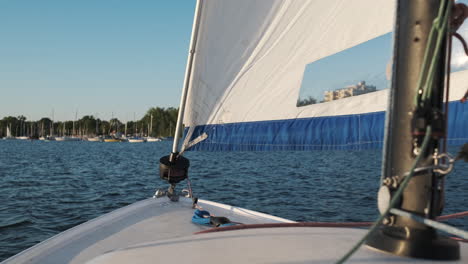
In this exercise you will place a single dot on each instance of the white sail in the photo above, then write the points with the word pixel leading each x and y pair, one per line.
pixel 249 64
pixel 250 59
pixel 8 132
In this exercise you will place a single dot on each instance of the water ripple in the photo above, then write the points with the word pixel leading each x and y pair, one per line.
pixel 48 187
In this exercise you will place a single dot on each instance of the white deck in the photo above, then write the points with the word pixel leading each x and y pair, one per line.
pixel 144 221
pixel 158 231
pixel 273 245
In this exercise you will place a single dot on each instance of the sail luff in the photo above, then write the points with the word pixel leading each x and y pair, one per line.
pixel 188 72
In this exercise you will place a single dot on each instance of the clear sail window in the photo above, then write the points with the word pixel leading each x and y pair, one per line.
pixel 355 71
pixel 362 69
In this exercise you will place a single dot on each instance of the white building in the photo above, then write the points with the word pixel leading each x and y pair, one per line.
pixel 348 91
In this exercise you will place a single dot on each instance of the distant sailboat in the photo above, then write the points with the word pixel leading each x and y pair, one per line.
pixel 51 136
pixel 150 130
pixel 135 138
pixel 96 138
pixel 152 139
pixel 111 139
pixel 68 138
pixel 42 137
pixel 23 130
pixel 8 134
pixel 74 136
pixel 64 137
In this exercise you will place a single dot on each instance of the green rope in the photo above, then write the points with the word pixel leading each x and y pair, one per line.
pixel 441 28
pixel 423 73
pixel 394 199
pixel 426 77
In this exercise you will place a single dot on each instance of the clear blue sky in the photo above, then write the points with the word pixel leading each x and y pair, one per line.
pixel 97 57
pixel 103 57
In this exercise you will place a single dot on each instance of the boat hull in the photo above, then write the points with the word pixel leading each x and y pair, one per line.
pixel 136 140
pixel 94 139
pixel 111 140
pixel 67 139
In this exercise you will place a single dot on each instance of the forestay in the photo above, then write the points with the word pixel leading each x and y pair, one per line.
pixel 249 63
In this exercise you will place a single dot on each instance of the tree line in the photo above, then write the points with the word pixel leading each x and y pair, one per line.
pixel 157 122
pixel 306 101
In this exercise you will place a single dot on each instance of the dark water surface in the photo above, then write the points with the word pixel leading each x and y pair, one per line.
pixel 48 187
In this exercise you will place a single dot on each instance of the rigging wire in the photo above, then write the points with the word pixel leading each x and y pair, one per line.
pixel 447 85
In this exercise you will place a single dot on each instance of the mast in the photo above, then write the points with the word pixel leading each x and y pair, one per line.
pixel 73 129
pixel 52 126
pixel 188 73
pixel 422 196
pixel 111 122
pixel 151 126
pixel 97 126
pixel 134 125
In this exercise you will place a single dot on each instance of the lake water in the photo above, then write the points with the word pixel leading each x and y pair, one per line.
pixel 48 187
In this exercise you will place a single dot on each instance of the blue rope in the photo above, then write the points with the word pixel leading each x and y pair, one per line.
pixel 201 217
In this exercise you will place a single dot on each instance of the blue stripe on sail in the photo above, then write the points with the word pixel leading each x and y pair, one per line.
pixel 349 132
pixel 457 123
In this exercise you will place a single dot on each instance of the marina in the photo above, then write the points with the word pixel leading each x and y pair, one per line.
pixel 89 128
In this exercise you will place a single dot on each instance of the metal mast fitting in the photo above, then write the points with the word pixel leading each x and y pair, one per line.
pixel 423 195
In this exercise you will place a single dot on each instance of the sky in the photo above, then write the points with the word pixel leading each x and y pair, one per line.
pixel 106 58
pixel 364 62
pixel 119 58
